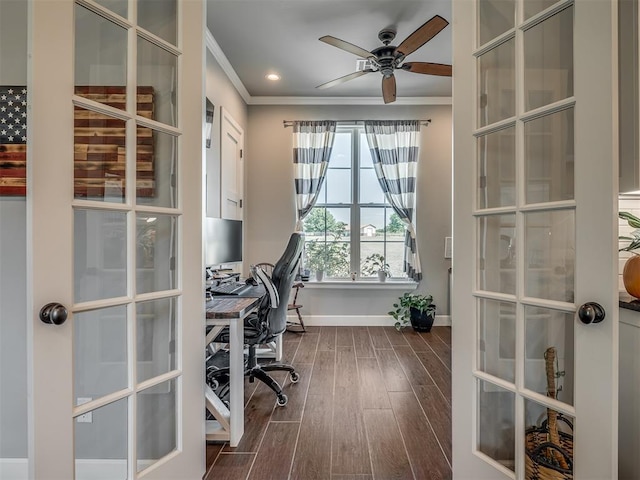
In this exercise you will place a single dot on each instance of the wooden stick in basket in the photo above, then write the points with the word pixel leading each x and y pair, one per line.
pixel 552 415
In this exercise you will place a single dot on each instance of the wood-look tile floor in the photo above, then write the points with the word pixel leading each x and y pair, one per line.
pixel 371 404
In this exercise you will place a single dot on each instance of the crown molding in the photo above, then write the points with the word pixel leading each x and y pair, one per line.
pixel 348 101
pixel 224 63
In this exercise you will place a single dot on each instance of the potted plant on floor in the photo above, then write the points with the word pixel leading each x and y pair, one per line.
pixel 415 308
pixel 375 264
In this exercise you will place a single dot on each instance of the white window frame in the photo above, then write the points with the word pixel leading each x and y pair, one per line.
pixel 355 206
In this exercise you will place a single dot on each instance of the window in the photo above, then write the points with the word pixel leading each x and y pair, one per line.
pixel 352 226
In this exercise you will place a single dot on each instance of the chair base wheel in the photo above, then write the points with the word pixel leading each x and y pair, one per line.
pixel 282 400
pixel 294 377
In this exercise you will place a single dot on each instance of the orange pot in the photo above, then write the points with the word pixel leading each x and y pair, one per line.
pixel 631 276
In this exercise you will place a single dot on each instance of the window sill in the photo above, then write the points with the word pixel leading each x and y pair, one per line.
pixel 362 284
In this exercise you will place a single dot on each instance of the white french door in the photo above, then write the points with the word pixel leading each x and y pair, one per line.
pixel 114 194
pixel 535 227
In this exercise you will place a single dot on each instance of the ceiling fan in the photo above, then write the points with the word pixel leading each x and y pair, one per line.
pixel 387 58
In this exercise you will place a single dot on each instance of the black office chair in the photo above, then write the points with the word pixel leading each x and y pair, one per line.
pixel 295 327
pixel 269 321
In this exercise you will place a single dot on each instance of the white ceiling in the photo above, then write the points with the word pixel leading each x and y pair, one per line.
pixel 262 36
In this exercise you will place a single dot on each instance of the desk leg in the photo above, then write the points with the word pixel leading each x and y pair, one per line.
pixel 236 380
pixel 279 346
pixel 271 350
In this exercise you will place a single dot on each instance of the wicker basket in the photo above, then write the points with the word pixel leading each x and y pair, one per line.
pixel 549 453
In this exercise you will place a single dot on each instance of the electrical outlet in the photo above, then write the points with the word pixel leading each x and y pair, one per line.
pixel 87 417
pixel 448 245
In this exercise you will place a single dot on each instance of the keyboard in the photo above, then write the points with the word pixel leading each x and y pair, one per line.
pixel 229 288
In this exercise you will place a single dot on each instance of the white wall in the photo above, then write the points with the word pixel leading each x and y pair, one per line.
pixel 222 93
pixel 13 257
pixel 270 207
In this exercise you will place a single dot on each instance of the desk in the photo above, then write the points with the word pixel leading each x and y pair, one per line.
pixel 223 311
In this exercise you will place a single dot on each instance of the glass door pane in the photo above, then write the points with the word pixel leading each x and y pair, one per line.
pixel 548 157
pixel 100 58
pixel 496 423
pixel 159 17
pixel 495 17
pixel 101 438
pixel 548 60
pixel 497 89
pixel 157 67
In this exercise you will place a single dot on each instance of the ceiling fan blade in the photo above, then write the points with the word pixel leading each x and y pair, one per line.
pixel 422 35
pixel 346 78
pixel 389 89
pixel 349 47
pixel 428 68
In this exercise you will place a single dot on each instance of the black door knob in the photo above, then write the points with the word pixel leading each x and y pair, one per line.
pixel 53 313
pixel 591 312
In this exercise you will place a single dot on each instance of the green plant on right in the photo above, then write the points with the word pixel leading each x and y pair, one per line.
pixel 402 309
pixel 634 239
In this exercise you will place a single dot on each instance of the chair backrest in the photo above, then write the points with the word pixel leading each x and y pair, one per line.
pixel 262 277
pixel 267 267
pixel 283 276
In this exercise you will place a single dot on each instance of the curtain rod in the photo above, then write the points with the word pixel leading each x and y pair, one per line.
pixel 289 123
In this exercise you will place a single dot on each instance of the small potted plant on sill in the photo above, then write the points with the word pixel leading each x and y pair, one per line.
pixel 415 308
pixel 316 261
pixel 375 263
pixel 330 258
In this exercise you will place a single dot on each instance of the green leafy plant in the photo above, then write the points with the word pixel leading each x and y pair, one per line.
pixel 316 256
pixel 402 309
pixel 329 253
pixel 331 258
pixel 375 263
pixel 634 239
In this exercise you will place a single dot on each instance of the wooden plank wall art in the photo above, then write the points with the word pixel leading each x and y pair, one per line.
pixel 99 143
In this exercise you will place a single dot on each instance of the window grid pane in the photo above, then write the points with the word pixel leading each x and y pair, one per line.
pixel 331 243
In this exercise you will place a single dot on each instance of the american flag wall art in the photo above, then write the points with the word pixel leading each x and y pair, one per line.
pixel 13 140
pixel 99 142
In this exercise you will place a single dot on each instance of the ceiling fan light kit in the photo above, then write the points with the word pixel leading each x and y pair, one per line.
pixel 388 58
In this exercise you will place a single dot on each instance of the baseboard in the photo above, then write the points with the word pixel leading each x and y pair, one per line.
pixel 94 469
pixel 14 468
pixel 360 320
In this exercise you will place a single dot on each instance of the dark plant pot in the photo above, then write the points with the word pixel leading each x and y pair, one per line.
pixel 421 321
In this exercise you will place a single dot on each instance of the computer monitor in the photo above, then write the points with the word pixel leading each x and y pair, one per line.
pixel 223 241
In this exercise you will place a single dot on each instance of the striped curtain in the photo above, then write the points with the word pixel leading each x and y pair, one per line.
pixel 312 143
pixel 394 146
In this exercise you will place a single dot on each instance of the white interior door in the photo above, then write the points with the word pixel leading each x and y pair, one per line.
pixel 114 132
pixel 231 167
pixel 535 200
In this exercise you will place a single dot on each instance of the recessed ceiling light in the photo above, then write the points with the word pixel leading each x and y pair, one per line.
pixel 272 76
